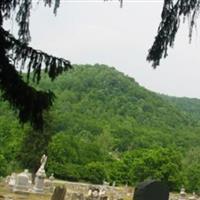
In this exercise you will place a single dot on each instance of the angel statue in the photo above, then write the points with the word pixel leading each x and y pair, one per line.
pixel 43 161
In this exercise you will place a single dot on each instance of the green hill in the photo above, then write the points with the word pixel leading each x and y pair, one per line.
pixel 189 106
pixel 100 122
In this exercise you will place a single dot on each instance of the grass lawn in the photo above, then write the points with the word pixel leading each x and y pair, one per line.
pixel 6 192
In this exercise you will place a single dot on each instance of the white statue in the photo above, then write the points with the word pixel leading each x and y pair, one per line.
pixel 40 176
pixel 43 161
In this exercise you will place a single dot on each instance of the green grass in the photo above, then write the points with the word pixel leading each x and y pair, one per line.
pixel 6 192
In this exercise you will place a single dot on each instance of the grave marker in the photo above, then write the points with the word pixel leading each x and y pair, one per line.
pixel 151 190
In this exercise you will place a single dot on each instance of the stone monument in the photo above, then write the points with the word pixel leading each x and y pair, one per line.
pixel 59 193
pixel 11 180
pixel 51 178
pixel 22 182
pixel 40 176
pixel 48 184
pixel 151 190
pixel 193 197
pixel 93 193
pixel 182 195
pixel 102 194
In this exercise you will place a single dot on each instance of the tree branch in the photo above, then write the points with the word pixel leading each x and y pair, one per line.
pixel 35 59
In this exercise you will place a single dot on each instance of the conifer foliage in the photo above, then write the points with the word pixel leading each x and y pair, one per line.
pixel 174 11
pixel 17 55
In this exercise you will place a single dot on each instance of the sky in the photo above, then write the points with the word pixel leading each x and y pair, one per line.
pixel 93 31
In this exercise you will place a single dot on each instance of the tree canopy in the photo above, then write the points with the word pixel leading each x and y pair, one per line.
pixel 16 54
pixel 105 126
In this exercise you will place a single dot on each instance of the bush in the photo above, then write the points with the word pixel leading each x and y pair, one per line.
pixel 160 163
pixel 3 166
pixel 95 172
pixel 193 178
pixel 65 171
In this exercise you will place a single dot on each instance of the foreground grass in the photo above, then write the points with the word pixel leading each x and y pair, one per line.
pixel 6 192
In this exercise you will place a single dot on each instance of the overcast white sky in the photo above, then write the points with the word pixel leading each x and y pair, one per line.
pixel 89 31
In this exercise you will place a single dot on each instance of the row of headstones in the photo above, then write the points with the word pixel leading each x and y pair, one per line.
pixel 93 194
pixel 80 191
pixel 105 188
pixel 22 182
pixel 183 195
pixel 150 190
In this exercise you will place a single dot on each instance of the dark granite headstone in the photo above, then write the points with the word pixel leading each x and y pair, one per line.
pixel 59 193
pixel 151 190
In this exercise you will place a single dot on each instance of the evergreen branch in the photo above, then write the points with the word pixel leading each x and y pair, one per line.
pixel 34 59
pixel 29 102
pixel 168 28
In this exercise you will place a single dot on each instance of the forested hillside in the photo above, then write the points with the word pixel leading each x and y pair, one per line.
pixel 105 126
pixel 190 106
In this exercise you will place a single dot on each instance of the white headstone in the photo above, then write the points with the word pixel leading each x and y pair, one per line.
pixel 52 178
pixel 113 184
pixel 22 182
pixel 193 197
pixel 182 195
pixel 102 191
pixel 11 180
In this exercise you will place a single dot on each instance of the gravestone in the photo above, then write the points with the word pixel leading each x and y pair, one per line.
pixel 2 197
pixel 11 180
pixel 59 193
pixel 193 197
pixel 22 182
pixel 93 193
pixel 151 190
pixel 182 195
pixel 77 196
pixel 104 198
pixel 48 185
pixel 52 178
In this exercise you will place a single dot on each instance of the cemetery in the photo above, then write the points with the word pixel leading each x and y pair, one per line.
pixel 106 136
pixel 22 186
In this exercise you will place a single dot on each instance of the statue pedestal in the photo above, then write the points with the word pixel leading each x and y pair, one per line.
pixel 39 184
pixel 39 181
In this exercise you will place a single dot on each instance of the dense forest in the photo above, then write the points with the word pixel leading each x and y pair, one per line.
pixel 105 126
